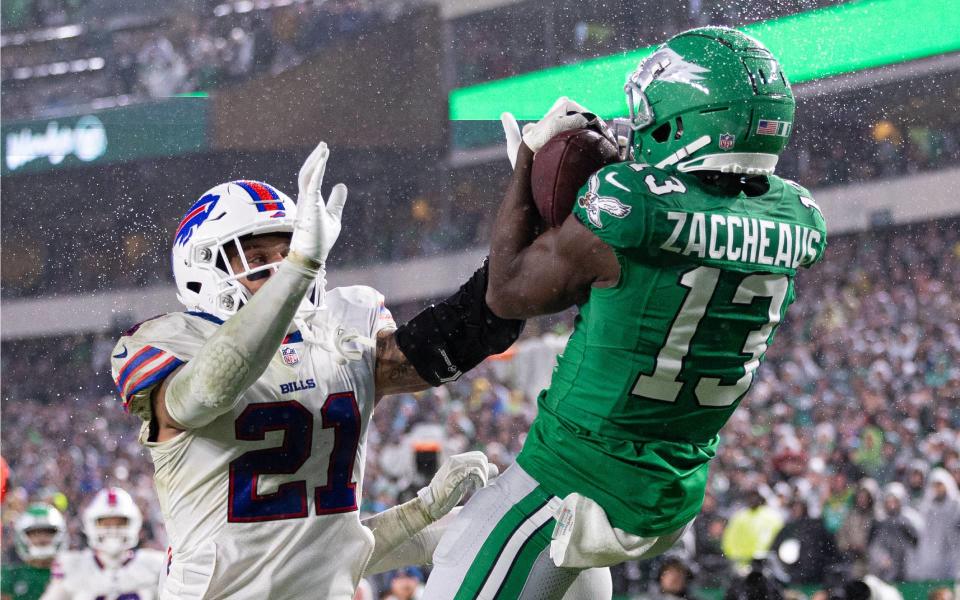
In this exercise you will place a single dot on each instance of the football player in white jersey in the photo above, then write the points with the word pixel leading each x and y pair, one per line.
pixel 112 567
pixel 255 402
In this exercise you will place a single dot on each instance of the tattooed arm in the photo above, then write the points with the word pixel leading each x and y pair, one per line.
pixel 394 373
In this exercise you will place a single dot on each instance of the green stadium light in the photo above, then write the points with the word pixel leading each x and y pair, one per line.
pixel 811 45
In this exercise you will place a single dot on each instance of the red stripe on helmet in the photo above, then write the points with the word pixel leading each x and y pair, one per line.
pixel 265 192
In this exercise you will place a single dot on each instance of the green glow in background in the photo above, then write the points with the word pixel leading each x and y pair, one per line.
pixel 850 37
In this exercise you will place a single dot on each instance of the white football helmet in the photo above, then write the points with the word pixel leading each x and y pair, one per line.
pixel 39 517
pixel 205 280
pixel 112 539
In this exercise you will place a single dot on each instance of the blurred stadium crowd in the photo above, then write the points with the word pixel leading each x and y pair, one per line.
pixel 212 45
pixel 138 50
pixel 849 442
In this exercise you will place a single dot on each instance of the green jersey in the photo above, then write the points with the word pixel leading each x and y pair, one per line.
pixel 23 582
pixel 657 363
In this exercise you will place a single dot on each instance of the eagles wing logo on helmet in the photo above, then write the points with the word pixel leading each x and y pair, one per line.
pixel 197 214
pixel 679 70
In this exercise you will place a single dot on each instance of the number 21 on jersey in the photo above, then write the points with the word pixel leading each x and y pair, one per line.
pixel 338 495
pixel 664 383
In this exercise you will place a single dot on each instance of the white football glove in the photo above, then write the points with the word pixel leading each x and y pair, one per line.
pixel 535 135
pixel 458 475
pixel 318 223
pixel 511 130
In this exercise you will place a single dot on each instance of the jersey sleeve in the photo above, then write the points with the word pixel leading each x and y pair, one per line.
pixel 612 204
pixel 147 353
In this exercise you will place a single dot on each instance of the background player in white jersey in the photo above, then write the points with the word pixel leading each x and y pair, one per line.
pixel 112 567
pixel 256 418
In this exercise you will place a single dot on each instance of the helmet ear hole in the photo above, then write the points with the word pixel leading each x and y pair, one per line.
pixel 679 132
pixel 662 133
pixel 194 286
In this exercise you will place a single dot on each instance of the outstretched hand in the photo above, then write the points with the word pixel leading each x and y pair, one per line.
pixel 535 135
pixel 318 222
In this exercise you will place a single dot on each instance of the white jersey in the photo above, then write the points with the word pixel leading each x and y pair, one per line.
pixel 262 502
pixel 81 575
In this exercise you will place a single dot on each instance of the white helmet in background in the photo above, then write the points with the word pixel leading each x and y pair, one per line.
pixel 206 281
pixel 39 517
pixel 112 539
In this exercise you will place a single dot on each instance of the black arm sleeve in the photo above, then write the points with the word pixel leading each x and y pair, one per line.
pixel 449 338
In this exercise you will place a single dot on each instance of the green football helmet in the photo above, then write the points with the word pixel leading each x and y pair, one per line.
pixel 39 517
pixel 710 99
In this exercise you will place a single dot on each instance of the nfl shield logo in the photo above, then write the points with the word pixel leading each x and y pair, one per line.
pixel 290 355
pixel 726 141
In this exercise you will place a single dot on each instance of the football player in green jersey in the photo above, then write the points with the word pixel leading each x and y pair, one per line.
pixel 39 534
pixel 682 262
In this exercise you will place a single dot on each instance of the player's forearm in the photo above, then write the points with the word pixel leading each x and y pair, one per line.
pixel 394 373
pixel 394 526
pixel 514 229
pixel 239 352
pixel 417 550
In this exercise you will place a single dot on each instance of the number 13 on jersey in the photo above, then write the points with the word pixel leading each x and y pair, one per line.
pixel 665 383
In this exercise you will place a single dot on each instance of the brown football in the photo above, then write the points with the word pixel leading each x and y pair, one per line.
pixel 562 166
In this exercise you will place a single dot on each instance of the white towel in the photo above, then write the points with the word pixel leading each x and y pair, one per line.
pixel 584 538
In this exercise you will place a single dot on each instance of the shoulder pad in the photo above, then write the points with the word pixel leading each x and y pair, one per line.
pixel 795 186
pixel 361 296
pixel 148 352
pixel 805 199
pixel 360 307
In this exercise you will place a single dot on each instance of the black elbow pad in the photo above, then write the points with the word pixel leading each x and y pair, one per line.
pixel 448 339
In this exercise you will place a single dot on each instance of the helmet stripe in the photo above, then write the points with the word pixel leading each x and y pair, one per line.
pixel 261 192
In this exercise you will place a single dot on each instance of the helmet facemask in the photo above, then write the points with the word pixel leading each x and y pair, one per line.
pixel 641 113
pixel 232 294
pixel 114 539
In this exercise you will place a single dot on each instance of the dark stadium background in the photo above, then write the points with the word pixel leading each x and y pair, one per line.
pixel 858 402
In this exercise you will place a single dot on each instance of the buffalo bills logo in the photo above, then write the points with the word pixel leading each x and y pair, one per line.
pixel 197 214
